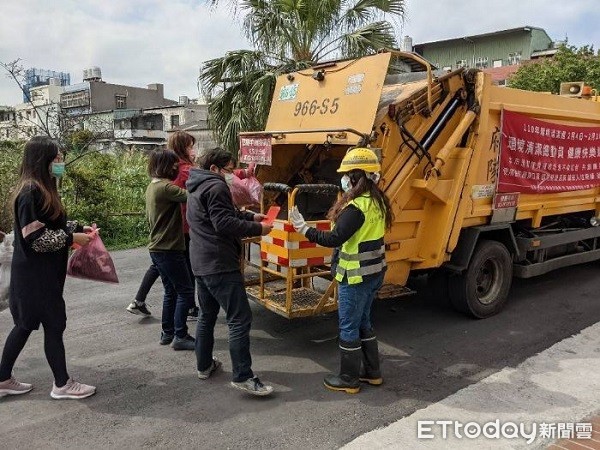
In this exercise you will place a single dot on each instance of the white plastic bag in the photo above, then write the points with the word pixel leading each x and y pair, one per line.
pixel 6 254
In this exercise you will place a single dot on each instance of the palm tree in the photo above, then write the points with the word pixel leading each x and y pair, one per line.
pixel 287 35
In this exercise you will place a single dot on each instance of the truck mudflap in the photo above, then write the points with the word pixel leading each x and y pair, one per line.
pixel 462 254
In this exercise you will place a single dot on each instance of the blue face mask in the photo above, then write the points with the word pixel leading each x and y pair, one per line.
pixel 346 184
pixel 57 169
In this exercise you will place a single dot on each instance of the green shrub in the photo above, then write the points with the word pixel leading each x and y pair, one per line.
pixel 11 154
pixel 106 189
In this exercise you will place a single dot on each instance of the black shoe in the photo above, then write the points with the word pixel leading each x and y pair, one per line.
pixel 166 339
pixel 185 343
pixel 337 383
pixel 347 380
pixel 140 310
pixel 193 314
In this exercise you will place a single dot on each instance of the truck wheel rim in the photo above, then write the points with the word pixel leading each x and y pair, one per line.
pixel 487 283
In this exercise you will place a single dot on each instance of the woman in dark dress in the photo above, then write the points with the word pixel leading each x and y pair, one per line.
pixel 39 266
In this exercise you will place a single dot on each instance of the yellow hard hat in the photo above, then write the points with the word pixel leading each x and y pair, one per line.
pixel 360 158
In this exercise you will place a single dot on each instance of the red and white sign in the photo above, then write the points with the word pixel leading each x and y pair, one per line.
pixel 256 149
pixel 503 201
pixel 544 157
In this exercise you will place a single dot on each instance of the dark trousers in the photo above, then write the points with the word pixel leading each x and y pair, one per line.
pixel 227 291
pixel 189 263
pixel 179 291
pixel 152 275
pixel 149 279
pixel 53 347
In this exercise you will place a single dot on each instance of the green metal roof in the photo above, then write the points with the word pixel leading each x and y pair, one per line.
pixel 494 33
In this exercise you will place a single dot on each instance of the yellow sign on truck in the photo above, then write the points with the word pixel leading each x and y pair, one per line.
pixel 485 182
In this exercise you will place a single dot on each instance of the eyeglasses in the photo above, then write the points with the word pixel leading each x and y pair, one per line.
pixel 227 169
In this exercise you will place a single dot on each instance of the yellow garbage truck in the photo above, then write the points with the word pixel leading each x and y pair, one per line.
pixel 486 182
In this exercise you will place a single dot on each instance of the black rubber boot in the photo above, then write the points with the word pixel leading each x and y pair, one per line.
pixel 370 372
pixel 347 381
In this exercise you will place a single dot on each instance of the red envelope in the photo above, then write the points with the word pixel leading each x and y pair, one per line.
pixel 271 215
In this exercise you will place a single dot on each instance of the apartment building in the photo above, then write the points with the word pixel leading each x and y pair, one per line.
pixel 8 123
pixel 95 95
pixel 190 117
pixel 119 116
pixel 39 115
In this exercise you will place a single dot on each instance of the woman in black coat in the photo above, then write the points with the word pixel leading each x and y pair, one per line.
pixel 39 266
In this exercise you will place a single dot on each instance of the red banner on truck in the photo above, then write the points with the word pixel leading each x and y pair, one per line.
pixel 539 157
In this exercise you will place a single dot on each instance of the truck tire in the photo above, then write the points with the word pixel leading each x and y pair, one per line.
pixel 482 289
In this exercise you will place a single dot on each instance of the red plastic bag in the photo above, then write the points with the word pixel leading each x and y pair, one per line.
pixel 246 192
pixel 93 262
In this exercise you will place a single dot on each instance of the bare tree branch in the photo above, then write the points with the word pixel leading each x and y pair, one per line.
pixel 51 120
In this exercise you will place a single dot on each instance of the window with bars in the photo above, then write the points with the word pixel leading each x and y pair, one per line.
pixel 120 101
pixel 514 58
pixel 481 62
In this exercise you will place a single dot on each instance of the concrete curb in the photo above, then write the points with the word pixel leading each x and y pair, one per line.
pixel 559 385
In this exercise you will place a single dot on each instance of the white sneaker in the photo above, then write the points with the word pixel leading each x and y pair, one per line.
pixel 214 366
pixel 73 390
pixel 253 386
pixel 13 387
pixel 139 309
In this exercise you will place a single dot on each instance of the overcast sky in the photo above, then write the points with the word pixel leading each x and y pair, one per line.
pixel 137 42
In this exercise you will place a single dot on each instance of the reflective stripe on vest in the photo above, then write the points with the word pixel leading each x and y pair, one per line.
pixel 361 271
pixel 364 253
pixel 364 256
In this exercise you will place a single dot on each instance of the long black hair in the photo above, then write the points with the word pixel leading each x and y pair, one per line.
pixel 362 184
pixel 39 153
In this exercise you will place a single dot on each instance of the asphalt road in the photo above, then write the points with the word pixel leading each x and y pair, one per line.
pixel 149 396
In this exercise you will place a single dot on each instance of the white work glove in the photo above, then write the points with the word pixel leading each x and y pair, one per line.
pixel 298 221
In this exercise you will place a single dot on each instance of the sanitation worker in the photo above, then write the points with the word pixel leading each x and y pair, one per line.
pixel 360 219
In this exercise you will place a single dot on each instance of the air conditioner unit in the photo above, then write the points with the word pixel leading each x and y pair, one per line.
pixel 572 89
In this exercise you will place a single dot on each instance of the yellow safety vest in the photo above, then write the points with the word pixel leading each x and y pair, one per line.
pixel 364 253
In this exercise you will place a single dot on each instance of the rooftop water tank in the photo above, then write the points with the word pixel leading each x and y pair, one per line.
pixel 92 74
pixel 96 73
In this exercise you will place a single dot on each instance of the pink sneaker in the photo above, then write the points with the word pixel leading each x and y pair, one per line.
pixel 73 390
pixel 13 387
